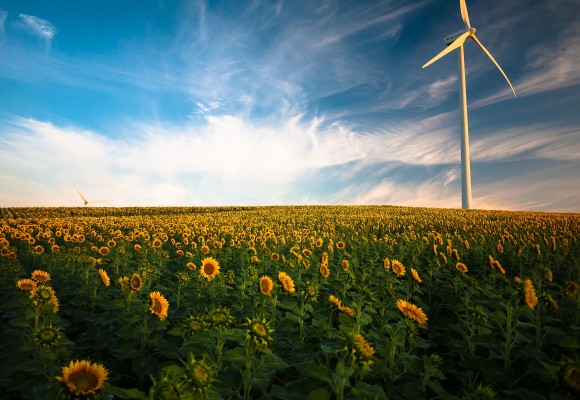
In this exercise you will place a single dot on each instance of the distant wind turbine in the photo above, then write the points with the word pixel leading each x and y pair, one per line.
pixel 454 41
pixel 85 200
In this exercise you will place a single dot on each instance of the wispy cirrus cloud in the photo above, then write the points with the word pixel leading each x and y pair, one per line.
pixel 3 15
pixel 37 26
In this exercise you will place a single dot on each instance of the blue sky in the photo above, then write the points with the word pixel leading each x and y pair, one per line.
pixel 286 102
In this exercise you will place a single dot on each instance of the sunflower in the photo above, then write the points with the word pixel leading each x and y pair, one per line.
pixel 26 285
pixel 572 289
pixel 461 267
pixel 275 257
pixel 572 377
pixel 191 266
pixel 412 311
pixel 104 251
pixel 220 317
pixel 549 275
pixel 345 265
pixel 553 303
pixel 157 243
pixel 83 378
pixel 530 294
pixel 307 252
pixel 311 292
pixel 386 263
pixel 209 268
pixel 41 295
pixel 104 277
pixel 319 242
pixel 334 300
pixel 193 325
pixel 47 336
pixel 363 349
pixel 40 276
pixel 347 310
pixel 200 374
pixel 340 245
pixel 398 268
pixel 415 275
pixel 324 270
pixel 39 249
pixel 123 282
pixel 136 282
pixel 159 305
pixel 287 282
pixel 259 331
pixel 137 247
pixel 266 285
pixel 499 267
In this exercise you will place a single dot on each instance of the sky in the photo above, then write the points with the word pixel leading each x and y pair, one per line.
pixel 256 102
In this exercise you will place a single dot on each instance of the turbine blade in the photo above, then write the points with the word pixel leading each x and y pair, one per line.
pixel 457 43
pixel 79 192
pixel 495 62
pixel 464 14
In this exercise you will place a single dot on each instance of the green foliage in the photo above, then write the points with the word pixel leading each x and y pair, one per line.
pixel 486 336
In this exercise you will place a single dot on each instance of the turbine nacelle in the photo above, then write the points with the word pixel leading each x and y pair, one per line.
pixel 451 38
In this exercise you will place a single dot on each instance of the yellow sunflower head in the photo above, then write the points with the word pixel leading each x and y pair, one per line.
pixel 40 276
pixel 386 263
pixel 530 294
pixel 104 251
pixel 259 331
pixel 571 376
pixel 461 267
pixel 104 277
pixel 266 285
pixel 324 270
pixel 123 282
pixel 362 352
pixel 136 282
pixel 159 305
pixel 415 275
pixel 209 268
pixel 398 268
pixel 334 300
pixel 286 281
pixel 26 285
pixel 412 311
pixel 83 378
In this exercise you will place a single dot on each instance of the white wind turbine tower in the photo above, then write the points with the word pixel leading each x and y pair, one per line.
pixel 454 41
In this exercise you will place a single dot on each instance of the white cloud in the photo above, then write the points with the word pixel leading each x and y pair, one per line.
pixel 37 26
pixel 232 161
pixel 3 15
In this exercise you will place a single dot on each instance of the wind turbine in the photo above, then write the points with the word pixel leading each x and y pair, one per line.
pixel 454 41
pixel 85 200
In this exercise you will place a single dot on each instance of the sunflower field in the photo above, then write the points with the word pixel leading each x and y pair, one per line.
pixel 305 302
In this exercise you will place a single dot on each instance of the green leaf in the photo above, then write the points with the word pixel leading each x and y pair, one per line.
pixel 319 394
pixel 570 342
pixel 314 371
pixel 126 393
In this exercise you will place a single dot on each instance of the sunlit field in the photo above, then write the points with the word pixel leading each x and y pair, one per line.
pixel 329 302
